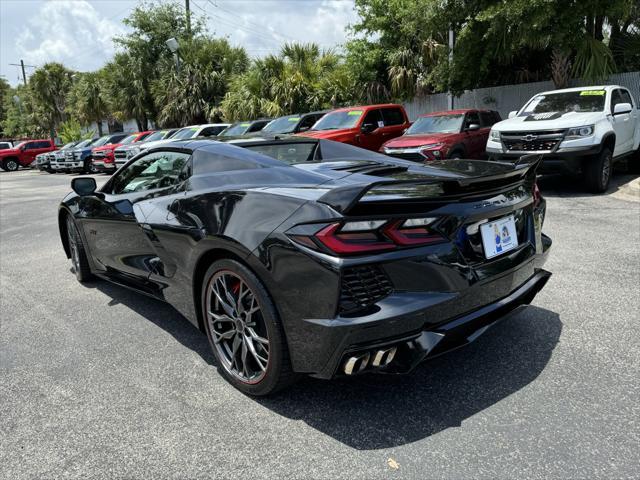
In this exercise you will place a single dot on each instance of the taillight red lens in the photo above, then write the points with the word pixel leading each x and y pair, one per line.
pixel 411 235
pixel 352 242
pixel 357 237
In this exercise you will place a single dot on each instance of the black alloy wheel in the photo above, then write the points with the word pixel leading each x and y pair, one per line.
pixel 598 170
pixel 244 330
pixel 79 260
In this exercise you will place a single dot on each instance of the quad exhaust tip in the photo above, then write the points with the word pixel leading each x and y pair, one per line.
pixel 358 363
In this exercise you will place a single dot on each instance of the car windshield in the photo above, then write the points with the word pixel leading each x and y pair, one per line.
pixel 338 120
pixel 184 133
pixel 235 129
pixel 156 136
pixel 68 145
pixel 436 124
pixel 101 141
pixel 283 124
pixel 563 102
pixel 129 139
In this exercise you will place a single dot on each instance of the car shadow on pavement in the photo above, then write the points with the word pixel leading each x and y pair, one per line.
pixel 159 313
pixel 383 411
pixel 371 412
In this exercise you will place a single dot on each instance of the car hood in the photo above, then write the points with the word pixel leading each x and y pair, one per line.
pixel 419 139
pixel 106 148
pixel 9 151
pixel 548 121
pixel 328 134
pixel 154 144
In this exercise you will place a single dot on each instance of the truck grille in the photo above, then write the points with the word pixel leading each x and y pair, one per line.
pixel 98 155
pixel 120 154
pixel 541 141
pixel 77 156
pixel 363 286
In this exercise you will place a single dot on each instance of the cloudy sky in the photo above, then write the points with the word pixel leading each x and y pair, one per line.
pixel 78 32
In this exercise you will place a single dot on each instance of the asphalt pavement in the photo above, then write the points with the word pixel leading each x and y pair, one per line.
pixel 97 381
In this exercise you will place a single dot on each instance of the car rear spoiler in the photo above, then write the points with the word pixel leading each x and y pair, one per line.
pixel 343 199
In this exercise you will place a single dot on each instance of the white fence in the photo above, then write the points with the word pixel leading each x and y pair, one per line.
pixel 508 97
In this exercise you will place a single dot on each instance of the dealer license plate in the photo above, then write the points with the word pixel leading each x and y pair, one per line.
pixel 499 236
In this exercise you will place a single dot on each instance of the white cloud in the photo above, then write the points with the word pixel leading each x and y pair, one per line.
pixel 68 31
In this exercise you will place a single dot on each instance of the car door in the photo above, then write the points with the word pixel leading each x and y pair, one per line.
pixel 474 138
pixel 31 149
pixel 623 123
pixel 371 140
pixel 114 235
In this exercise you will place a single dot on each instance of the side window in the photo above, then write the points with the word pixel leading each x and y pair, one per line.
pixel 307 122
pixel 153 171
pixel 374 117
pixel 207 132
pixel 31 146
pixel 616 98
pixel 392 116
pixel 257 126
pixel 472 117
pixel 487 118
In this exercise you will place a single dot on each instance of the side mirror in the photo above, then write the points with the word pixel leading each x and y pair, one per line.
pixel 621 108
pixel 473 126
pixel 84 186
pixel 513 114
pixel 368 128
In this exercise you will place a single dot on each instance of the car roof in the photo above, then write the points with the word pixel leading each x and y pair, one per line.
pixel 366 107
pixel 458 111
pixel 578 89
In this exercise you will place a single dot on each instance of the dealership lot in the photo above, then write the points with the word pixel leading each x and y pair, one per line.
pixel 94 378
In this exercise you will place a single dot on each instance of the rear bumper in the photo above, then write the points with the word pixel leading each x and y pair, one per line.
pixel 421 325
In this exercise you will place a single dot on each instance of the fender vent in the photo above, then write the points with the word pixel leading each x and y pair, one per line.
pixel 363 286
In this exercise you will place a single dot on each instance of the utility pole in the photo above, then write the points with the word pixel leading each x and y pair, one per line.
pixel 22 65
pixel 186 6
pixel 451 43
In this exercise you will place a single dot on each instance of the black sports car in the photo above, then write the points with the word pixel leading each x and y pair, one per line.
pixel 320 259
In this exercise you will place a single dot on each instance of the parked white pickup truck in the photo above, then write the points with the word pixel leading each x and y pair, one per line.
pixel 579 130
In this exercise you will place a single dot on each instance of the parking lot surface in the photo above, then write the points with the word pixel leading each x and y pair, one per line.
pixel 98 381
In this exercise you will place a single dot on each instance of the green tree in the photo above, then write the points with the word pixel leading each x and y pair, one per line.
pixel 21 119
pixel 88 100
pixel 133 72
pixel 5 90
pixel 299 79
pixel 497 42
pixel 71 131
pixel 193 93
pixel 49 86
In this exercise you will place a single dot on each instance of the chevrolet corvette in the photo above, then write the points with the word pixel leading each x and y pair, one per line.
pixel 304 256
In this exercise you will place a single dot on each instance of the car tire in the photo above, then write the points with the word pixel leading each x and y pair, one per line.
pixel 79 260
pixel 10 165
pixel 247 338
pixel 457 155
pixel 597 173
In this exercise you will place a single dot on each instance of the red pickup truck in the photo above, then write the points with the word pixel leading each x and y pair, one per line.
pixel 367 126
pixel 447 134
pixel 24 153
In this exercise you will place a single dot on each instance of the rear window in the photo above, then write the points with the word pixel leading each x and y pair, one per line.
pixel 289 153
pixel 392 116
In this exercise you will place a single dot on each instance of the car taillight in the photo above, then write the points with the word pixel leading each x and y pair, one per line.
pixel 359 237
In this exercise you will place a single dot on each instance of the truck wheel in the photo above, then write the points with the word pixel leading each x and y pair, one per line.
pixel 10 165
pixel 597 173
pixel 457 155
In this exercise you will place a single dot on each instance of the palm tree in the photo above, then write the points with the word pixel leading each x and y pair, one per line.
pixel 49 86
pixel 88 99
